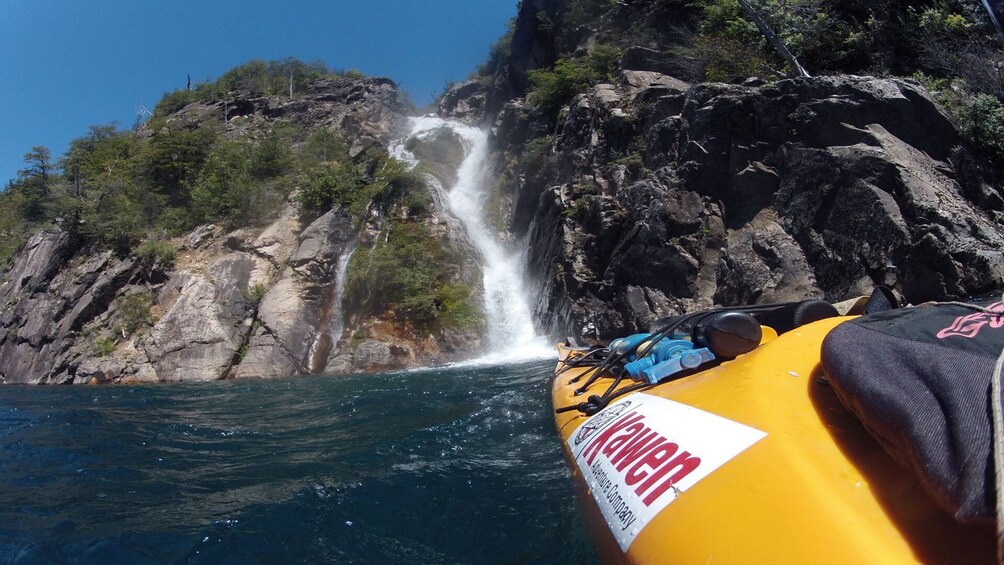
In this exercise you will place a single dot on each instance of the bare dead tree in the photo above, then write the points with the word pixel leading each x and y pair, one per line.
pixel 773 39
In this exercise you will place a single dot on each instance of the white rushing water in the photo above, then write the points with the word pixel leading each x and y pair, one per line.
pixel 332 319
pixel 338 319
pixel 511 333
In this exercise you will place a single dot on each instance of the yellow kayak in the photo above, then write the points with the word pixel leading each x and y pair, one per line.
pixel 752 461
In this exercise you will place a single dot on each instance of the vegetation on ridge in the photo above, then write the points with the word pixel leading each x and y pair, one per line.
pixel 554 87
pixel 951 46
pixel 114 187
pixel 255 78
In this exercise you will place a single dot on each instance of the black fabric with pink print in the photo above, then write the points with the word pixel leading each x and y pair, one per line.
pixel 918 378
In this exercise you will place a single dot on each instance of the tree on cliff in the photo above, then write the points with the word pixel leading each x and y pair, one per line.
pixel 773 39
pixel 33 182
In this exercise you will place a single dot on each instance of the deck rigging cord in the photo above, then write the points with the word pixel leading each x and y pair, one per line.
pixel 612 367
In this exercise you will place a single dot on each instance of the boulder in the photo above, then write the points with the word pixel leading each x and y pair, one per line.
pixel 464 101
pixel 372 355
pixel 280 345
pixel 197 338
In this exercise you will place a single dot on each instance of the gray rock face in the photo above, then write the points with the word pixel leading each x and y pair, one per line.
pixel 35 265
pixel 737 194
pixel 293 313
pixel 197 338
pixel 42 319
pixel 280 346
pixel 533 46
pixel 246 303
pixel 373 355
pixel 464 101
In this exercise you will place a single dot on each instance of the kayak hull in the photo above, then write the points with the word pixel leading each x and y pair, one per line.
pixel 813 486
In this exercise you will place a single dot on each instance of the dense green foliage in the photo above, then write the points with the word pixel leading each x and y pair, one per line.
pixel 156 254
pixel 729 47
pixel 116 188
pixel 980 117
pixel 403 274
pixel 134 312
pixel 237 181
pixel 551 88
pixel 982 122
pixel 14 231
pixel 257 78
pixel 948 42
pixel 372 182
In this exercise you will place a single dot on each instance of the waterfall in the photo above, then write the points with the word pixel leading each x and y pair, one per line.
pixel 338 320
pixel 332 321
pixel 511 333
pixel 992 12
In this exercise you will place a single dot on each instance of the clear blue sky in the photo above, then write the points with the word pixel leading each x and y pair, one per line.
pixel 69 64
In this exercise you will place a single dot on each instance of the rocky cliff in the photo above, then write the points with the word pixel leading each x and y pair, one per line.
pixel 647 195
pixel 256 301
pixel 638 190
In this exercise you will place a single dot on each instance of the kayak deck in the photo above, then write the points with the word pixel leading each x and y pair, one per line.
pixel 815 488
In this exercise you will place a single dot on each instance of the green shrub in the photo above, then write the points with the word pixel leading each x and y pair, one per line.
pixel 635 164
pixel 402 267
pixel 455 309
pixel 378 180
pixel 134 312
pixel 552 88
pixel 536 153
pixel 156 253
pixel 172 159
pixel 326 184
pixel 272 156
pixel 578 209
pixel 113 217
pixel 323 146
pixel 979 117
pixel 254 295
pixel 13 229
pixel 981 121
pixel 104 346
pixel 175 221
pixel 408 274
pixel 232 185
pixel 171 102
pixel 405 188
pixel 103 154
pixel 824 37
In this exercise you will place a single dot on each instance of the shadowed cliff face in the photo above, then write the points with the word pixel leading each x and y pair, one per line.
pixel 720 194
pixel 648 196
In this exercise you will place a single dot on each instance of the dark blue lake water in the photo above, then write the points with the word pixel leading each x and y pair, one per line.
pixel 458 465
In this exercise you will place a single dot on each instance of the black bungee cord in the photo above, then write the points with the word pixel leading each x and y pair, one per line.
pixel 595 403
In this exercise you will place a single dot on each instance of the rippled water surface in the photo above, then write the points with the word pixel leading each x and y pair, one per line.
pixel 456 465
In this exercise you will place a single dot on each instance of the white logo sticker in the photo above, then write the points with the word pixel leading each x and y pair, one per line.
pixel 639 454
